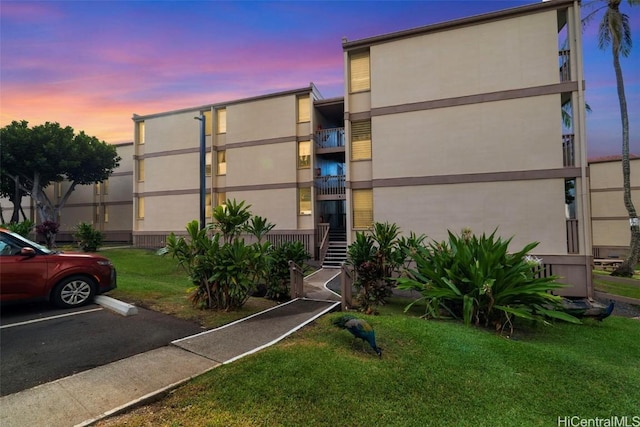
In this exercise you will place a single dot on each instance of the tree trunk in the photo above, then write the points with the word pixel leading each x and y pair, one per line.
pixel 627 267
pixel 17 201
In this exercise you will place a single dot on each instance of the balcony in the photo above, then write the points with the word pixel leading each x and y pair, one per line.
pixel 329 138
pixel 568 151
pixel 564 61
pixel 330 187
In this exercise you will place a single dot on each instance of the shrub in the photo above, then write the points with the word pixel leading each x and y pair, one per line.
pixel 224 269
pixel 376 257
pixel 22 228
pixel 278 277
pixel 48 229
pixel 88 238
pixel 476 279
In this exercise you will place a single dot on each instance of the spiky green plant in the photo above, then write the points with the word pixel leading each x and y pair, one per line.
pixel 478 280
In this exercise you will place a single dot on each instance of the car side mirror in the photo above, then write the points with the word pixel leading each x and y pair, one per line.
pixel 28 252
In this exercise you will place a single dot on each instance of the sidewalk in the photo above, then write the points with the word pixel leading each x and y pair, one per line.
pixel 86 397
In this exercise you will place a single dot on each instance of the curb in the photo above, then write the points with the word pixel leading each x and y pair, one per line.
pixel 118 306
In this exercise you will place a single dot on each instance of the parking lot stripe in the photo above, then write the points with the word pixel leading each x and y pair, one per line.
pixel 50 318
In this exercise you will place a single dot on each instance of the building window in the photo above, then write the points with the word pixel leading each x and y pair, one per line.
pixel 208 122
pixel 359 72
pixel 221 199
pixel 361 140
pixel 221 120
pixel 222 163
pixel 208 209
pixel 304 109
pixel 102 187
pixel 105 211
pixel 96 214
pixel 362 208
pixel 304 154
pixel 141 170
pixel 140 212
pixel 304 201
pixel 58 190
pixel 140 133
pixel 207 166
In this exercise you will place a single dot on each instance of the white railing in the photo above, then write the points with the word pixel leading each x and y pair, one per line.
pixel 564 60
pixel 330 185
pixel 329 138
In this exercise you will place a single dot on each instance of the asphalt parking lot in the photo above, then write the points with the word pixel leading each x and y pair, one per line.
pixel 41 343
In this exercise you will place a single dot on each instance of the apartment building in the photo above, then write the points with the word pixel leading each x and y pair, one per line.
pixel 459 125
pixel 442 127
pixel 108 205
pixel 258 150
pixel 609 217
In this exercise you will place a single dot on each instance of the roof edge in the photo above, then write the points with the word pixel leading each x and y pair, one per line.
pixel 457 23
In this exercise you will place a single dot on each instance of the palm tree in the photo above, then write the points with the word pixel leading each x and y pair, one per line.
pixel 614 30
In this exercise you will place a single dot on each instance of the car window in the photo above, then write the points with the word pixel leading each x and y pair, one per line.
pixel 8 248
pixel 27 242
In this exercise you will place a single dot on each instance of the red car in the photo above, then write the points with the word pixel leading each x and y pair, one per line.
pixel 29 271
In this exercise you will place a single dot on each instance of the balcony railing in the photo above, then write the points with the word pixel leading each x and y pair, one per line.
pixel 564 61
pixel 330 185
pixel 568 151
pixel 329 138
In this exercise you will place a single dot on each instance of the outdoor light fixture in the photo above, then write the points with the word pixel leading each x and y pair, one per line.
pixel 202 120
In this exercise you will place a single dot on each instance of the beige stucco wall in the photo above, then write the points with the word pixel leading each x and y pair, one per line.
pixel 170 213
pixel 176 172
pixel 491 57
pixel 171 132
pixel 261 119
pixel 512 207
pixel 279 206
pixel 496 136
pixel 262 164
pixel 610 223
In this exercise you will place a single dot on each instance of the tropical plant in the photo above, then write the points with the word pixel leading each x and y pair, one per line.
pixel 615 30
pixel 48 229
pixel 223 268
pixel 376 257
pixel 88 238
pixel 476 279
pixel 22 228
pixel 259 227
pixel 230 219
pixel 278 277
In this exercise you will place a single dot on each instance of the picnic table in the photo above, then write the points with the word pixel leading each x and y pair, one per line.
pixel 607 264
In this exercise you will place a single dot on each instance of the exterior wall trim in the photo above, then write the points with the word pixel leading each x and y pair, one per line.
pixel 458 23
pixel 469 178
pixel 255 143
pixel 477 99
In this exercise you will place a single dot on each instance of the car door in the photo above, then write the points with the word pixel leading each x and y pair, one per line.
pixel 21 276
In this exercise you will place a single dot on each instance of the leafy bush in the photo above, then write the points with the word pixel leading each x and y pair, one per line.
pixel 376 257
pixel 223 267
pixel 476 279
pixel 48 229
pixel 88 238
pixel 22 228
pixel 278 278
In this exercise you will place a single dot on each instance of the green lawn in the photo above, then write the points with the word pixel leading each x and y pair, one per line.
pixel 600 283
pixel 437 373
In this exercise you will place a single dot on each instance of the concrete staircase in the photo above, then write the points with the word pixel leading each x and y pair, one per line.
pixel 337 250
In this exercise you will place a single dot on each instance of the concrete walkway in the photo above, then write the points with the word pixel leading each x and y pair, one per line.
pixel 86 397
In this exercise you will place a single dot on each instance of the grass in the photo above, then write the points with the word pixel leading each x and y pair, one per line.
pixel 434 373
pixel 158 283
pixel 600 283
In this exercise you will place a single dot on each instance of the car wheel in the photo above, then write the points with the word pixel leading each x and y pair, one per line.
pixel 74 291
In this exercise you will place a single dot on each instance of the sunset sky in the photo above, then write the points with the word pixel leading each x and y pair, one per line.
pixel 92 64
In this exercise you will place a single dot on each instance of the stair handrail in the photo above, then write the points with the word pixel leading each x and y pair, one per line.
pixel 324 245
pixel 296 279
